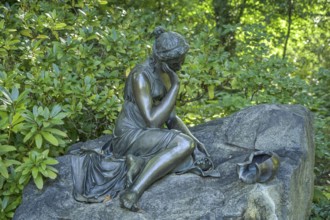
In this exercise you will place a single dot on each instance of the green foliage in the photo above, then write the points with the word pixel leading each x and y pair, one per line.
pixel 63 66
pixel 321 207
pixel 26 133
pixel 37 164
pixel 40 124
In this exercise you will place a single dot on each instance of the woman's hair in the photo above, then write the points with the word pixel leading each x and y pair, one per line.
pixel 168 45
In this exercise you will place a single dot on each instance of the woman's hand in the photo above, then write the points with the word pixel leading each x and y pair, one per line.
pixel 176 123
pixel 172 75
pixel 205 163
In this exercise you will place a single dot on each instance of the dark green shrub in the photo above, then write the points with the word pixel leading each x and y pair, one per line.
pixel 63 66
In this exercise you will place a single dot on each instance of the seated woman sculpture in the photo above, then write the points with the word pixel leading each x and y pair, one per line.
pixel 142 149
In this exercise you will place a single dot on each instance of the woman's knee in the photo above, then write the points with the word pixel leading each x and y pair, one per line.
pixel 185 143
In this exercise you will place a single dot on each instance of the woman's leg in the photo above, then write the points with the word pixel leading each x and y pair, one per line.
pixel 134 166
pixel 158 166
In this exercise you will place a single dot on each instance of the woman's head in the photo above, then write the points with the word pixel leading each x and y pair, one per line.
pixel 170 47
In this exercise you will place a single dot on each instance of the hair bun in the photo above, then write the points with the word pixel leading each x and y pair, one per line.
pixel 158 31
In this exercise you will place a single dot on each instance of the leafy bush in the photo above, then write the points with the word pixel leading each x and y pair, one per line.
pixel 63 66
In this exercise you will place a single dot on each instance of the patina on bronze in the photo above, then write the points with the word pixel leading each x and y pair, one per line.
pixel 142 150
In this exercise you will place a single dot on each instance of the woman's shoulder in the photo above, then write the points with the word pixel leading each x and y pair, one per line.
pixel 141 71
pixel 142 67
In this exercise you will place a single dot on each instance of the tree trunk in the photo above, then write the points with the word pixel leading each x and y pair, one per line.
pixel 226 15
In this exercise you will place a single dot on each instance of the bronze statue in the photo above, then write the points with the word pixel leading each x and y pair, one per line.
pixel 142 150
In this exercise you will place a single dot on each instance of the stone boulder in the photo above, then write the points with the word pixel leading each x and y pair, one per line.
pixel 283 129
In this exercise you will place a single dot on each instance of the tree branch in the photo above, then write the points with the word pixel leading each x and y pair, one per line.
pixel 198 97
pixel 241 11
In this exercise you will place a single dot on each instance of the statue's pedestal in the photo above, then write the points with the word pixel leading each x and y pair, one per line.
pixel 286 130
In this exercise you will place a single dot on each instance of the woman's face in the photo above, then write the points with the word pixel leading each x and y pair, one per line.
pixel 175 64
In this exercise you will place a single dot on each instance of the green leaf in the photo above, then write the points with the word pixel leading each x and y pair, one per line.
pixel 87 80
pixel 51 174
pixel 27 33
pixel 46 113
pixel 43 165
pixel 35 172
pixel 28 136
pixel 26 171
pixel 45 124
pixel 3 170
pixel 3 120
pixel 18 127
pixel 38 140
pixel 50 138
pixel 52 169
pixel 3 137
pixel 50 161
pixel 56 69
pixel 43 172
pixel 211 91
pixel 56 109
pixel 13 205
pixel 36 44
pixel 59 26
pixel 41 36
pixel 56 131
pixel 6 94
pixel 5 101
pixel 20 168
pixel 2 24
pixel 23 178
pixel 45 153
pixel 35 111
pixel 39 181
pixel 114 34
pixel 61 115
pixel 11 162
pixel 3 52
pixel 40 110
pixel 29 116
pixel 14 94
pixel 17 119
pixel 5 202
pixel 33 155
pixel 56 121
pixel 2 181
pixel 103 2
pixel 6 148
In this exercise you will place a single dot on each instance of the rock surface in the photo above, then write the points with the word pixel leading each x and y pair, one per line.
pixel 286 130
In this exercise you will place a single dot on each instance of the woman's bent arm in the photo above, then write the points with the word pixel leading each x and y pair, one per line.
pixel 175 122
pixel 154 116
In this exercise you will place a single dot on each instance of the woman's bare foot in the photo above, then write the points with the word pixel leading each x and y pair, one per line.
pixel 128 200
pixel 134 165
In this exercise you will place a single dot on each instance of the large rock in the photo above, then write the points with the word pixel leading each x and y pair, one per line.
pixel 286 130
